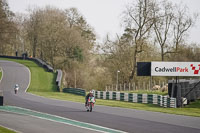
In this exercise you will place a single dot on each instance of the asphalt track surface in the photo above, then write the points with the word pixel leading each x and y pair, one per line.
pixel 128 120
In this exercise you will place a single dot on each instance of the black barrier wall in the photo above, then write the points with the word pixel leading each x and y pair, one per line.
pixel 1 98
pixel 189 89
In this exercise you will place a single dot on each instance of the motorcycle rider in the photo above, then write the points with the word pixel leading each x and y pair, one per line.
pixel 16 88
pixel 90 94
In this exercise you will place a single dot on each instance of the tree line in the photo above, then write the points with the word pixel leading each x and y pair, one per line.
pixel 152 31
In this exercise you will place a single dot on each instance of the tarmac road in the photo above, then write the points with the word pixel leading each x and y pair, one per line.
pixel 128 120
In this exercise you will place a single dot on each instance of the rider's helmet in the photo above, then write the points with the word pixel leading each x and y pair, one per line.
pixel 16 85
pixel 91 92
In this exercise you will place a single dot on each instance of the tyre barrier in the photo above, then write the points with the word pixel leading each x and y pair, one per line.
pixel 76 91
pixel 160 100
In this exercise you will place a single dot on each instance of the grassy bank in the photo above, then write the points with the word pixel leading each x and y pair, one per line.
pixel 42 83
pixel 5 130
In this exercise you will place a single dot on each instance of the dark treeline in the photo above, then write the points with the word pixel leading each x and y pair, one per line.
pixel 153 31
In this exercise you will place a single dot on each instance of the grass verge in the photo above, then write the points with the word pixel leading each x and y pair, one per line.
pixel 42 84
pixel 5 130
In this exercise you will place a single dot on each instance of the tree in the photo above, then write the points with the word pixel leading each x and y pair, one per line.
pixel 7 29
pixel 183 21
pixel 162 26
pixel 32 29
pixel 63 40
pixel 77 21
pixel 138 20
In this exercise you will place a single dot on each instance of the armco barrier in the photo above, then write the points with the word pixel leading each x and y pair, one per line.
pixel 160 100
pixel 38 61
pixel 58 79
pixel 76 91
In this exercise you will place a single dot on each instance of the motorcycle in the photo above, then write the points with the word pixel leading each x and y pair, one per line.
pixel 90 104
pixel 16 89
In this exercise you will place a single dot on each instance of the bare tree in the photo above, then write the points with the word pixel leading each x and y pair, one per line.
pixel 183 21
pixel 162 26
pixel 138 20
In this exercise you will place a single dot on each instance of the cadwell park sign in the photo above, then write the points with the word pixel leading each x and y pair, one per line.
pixel 184 91
pixel 175 68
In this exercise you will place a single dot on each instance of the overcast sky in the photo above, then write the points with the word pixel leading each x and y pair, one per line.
pixel 102 15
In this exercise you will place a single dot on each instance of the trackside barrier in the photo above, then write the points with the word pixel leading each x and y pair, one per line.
pixel 76 91
pixel 160 100
pixel 42 63
pixel 1 98
pixel 38 61
pixel 189 90
pixel 58 79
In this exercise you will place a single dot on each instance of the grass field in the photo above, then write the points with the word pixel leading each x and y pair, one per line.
pixel 42 84
pixel 5 130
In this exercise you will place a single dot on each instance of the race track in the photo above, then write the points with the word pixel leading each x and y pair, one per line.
pixel 128 120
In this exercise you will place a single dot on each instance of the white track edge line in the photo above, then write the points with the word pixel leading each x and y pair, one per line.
pixel 63 118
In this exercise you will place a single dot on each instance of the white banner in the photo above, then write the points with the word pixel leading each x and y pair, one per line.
pixel 175 68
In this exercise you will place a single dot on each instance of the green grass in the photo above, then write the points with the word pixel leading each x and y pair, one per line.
pixel 5 130
pixel 42 84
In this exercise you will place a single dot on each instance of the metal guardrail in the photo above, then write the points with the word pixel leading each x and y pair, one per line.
pixel 37 60
pixel 59 79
